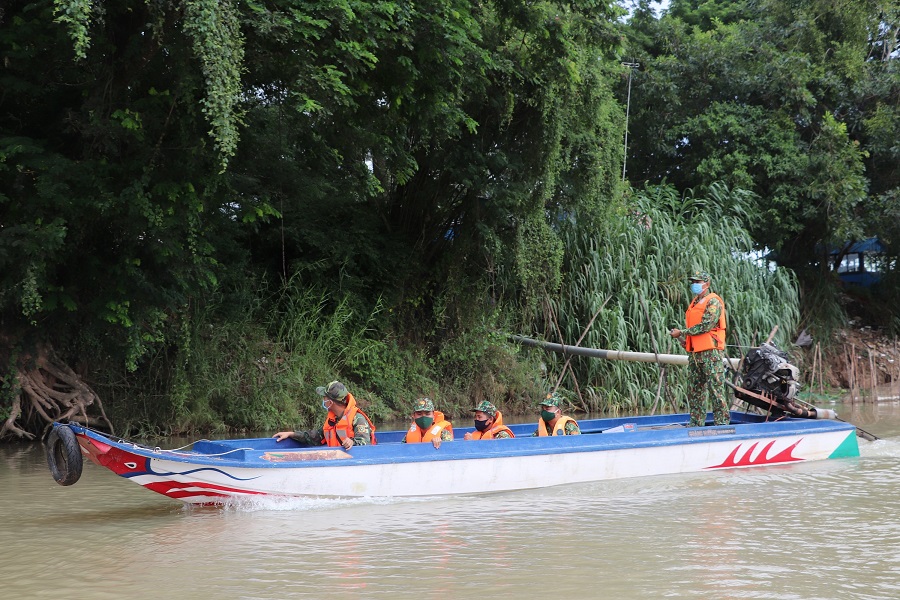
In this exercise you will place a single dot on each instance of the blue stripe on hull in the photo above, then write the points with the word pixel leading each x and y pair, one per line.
pixel 649 432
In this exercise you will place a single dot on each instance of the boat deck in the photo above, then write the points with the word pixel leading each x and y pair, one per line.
pixel 597 434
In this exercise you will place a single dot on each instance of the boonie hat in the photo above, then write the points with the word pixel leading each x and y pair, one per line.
pixel 552 399
pixel 700 276
pixel 485 407
pixel 423 404
pixel 335 391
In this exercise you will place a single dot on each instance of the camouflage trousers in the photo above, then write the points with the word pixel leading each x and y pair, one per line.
pixel 706 386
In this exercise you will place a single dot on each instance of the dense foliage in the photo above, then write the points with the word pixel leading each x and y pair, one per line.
pixel 637 272
pixel 798 102
pixel 210 207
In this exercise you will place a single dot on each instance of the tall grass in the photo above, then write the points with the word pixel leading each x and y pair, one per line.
pixel 641 263
pixel 251 361
pixel 248 360
pixel 253 358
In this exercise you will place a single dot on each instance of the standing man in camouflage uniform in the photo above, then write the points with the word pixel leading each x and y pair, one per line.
pixel 552 421
pixel 704 339
pixel 345 425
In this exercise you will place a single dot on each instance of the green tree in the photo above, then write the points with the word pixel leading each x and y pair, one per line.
pixel 790 102
pixel 155 156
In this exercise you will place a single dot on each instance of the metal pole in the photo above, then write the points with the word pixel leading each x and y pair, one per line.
pixel 631 66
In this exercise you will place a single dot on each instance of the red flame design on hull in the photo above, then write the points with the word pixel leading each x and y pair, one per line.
pixel 785 456
pixel 178 489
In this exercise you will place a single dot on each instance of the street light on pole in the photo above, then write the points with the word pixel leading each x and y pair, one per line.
pixel 631 67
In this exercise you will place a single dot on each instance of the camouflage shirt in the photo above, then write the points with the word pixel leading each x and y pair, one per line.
pixel 571 428
pixel 362 434
pixel 710 317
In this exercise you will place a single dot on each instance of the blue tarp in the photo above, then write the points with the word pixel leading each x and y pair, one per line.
pixel 868 245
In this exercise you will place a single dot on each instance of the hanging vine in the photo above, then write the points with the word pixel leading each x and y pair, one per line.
pixel 76 16
pixel 213 26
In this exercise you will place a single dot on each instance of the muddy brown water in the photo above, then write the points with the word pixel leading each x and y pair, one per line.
pixel 826 530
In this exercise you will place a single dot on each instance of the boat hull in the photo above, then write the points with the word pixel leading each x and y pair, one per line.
pixel 218 472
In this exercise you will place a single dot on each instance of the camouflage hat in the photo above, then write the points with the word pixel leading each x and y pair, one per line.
pixel 485 407
pixel 423 404
pixel 335 391
pixel 700 276
pixel 552 399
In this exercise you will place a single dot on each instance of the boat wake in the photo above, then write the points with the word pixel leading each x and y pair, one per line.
pixel 298 503
pixel 883 448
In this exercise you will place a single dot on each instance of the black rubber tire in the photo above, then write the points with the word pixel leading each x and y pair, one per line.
pixel 64 455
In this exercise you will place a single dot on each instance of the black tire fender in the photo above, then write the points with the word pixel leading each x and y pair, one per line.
pixel 64 455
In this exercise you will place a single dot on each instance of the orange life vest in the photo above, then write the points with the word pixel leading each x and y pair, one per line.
pixel 337 430
pixel 489 434
pixel 558 429
pixel 415 435
pixel 714 339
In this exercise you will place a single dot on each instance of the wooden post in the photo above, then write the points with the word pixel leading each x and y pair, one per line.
pixel 873 376
pixel 821 370
pixel 847 360
pixel 812 384
pixel 772 334
pixel 897 365
pixel 812 380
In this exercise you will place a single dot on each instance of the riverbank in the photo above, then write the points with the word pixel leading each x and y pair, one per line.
pixel 858 365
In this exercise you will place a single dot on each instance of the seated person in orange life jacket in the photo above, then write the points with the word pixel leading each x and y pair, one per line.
pixel 488 423
pixel 428 425
pixel 345 425
pixel 552 421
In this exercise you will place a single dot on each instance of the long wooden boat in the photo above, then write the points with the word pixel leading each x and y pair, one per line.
pixel 219 472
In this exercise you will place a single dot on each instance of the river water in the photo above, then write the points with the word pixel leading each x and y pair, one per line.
pixel 826 530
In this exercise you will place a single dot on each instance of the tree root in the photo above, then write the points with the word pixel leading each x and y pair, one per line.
pixel 47 388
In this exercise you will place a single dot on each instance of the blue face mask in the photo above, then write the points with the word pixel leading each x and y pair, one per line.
pixel 696 288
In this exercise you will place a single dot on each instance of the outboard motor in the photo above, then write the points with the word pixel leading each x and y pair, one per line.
pixel 767 370
pixel 768 374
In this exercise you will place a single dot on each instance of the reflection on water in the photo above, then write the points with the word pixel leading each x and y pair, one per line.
pixel 824 530
pixel 882 419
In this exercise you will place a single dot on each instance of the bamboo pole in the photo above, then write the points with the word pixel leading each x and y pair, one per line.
pixel 571 371
pixel 577 343
pixel 647 357
pixel 659 389
pixel 655 353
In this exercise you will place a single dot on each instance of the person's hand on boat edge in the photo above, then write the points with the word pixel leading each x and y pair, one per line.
pixel 347 443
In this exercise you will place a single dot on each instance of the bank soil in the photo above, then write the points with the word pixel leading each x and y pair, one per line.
pixel 856 360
